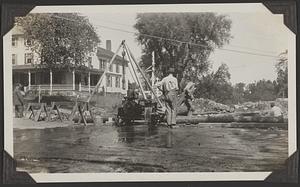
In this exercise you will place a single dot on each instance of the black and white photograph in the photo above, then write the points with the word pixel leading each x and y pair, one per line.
pixel 162 92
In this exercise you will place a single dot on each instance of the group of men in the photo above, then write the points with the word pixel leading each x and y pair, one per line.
pixel 169 87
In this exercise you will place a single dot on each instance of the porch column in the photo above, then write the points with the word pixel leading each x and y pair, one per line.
pixel 50 82
pixel 89 81
pixel 29 80
pixel 73 75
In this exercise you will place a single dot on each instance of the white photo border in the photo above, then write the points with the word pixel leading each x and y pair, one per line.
pixel 182 176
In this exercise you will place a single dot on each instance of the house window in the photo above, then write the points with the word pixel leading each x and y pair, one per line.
pixel 111 67
pixel 14 41
pixel 14 59
pixel 117 82
pixel 28 58
pixel 108 81
pixel 102 64
pixel 117 68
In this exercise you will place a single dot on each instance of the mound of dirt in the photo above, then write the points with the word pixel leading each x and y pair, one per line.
pixel 262 106
pixel 206 105
pixel 202 106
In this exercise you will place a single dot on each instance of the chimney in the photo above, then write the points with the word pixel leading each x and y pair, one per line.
pixel 108 45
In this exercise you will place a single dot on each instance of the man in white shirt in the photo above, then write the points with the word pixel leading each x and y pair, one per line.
pixel 275 110
pixel 169 87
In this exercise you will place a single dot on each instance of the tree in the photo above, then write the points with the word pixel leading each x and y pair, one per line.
pixel 238 93
pixel 181 40
pixel 282 74
pixel 216 86
pixel 262 90
pixel 60 39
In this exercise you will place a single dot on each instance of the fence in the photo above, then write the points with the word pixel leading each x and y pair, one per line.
pixel 60 87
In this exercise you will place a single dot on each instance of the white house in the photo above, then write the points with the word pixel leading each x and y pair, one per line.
pixel 27 72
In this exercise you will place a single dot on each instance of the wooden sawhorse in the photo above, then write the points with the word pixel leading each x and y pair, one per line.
pixel 55 107
pixel 82 108
pixel 42 108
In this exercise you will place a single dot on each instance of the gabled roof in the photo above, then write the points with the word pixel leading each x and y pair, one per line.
pixel 101 52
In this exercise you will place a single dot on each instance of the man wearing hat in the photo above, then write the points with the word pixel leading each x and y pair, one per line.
pixel 169 87
pixel 188 88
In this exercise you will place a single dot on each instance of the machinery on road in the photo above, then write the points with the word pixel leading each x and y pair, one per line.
pixel 141 109
pixel 151 110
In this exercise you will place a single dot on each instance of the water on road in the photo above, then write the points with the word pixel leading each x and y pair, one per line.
pixel 143 148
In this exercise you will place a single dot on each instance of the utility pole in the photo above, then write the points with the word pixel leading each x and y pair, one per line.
pixel 153 69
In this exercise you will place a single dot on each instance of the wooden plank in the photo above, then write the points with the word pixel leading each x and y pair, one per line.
pixel 36 104
pixel 37 117
pixel 51 110
pixel 32 113
pixel 91 114
pixel 73 111
pixel 82 116
pixel 58 113
pixel 64 103
pixel 45 109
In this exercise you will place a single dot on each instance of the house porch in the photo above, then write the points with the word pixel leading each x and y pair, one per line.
pixel 57 80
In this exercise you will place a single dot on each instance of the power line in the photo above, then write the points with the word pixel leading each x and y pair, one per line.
pixel 174 40
pixel 233 45
pixel 114 22
pixel 253 49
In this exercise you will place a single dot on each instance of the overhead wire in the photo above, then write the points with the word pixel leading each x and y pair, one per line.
pixel 231 45
pixel 174 40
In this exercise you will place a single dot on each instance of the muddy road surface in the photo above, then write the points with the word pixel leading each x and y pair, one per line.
pixel 140 148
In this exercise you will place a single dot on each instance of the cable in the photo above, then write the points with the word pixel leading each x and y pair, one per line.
pixel 239 46
pixel 117 23
pixel 173 40
pixel 253 49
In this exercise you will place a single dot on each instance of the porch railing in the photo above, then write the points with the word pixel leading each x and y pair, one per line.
pixel 70 87
pixel 60 87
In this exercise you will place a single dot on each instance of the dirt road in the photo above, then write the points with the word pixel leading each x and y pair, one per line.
pixel 140 148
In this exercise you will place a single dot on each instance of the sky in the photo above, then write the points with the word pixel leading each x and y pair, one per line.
pixel 254 29
pixel 258 33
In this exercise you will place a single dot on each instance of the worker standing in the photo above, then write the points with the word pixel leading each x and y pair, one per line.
pixel 276 112
pixel 187 96
pixel 169 87
pixel 18 101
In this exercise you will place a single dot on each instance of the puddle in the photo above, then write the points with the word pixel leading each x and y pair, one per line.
pixel 143 148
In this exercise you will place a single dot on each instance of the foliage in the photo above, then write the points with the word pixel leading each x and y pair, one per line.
pixel 238 93
pixel 207 30
pixel 282 74
pixel 262 90
pixel 216 86
pixel 61 40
